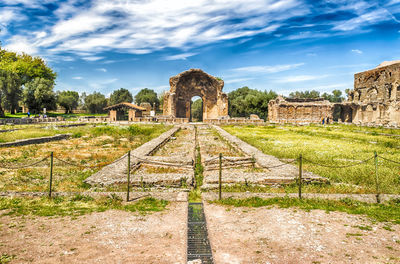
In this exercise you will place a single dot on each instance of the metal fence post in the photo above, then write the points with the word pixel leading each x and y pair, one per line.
pixel 378 198
pixel 220 176
pixel 129 175
pixel 300 173
pixel 51 173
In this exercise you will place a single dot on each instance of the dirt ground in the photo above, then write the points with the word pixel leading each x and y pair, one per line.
pixel 107 237
pixel 261 235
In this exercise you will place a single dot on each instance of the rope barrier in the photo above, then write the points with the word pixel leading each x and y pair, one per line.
pixel 89 167
pixel 162 163
pixel 280 165
pixel 23 166
pixel 389 160
pixel 339 167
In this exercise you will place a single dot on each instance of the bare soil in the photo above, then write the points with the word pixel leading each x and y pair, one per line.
pixel 274 235
pixel 107 237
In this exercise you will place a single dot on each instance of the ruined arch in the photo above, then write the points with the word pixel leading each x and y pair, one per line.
pixel 195 82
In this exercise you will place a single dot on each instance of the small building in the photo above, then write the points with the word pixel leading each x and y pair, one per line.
pixel 118 112
pixel 299 110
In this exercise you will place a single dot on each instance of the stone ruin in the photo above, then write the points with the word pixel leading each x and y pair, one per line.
pixel 375 99
pixel 195 82
pixel 301 111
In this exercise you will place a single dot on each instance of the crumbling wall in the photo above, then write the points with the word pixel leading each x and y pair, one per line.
pixel 195 82
pixel 375 99
pixel 302 111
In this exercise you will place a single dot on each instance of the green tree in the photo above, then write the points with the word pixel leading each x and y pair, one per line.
pixel 147 96
pixel 335 97
pixel 120 96
pixel 305 94
pixel 68 99
pixel 39 94
pixel 95 102
pixel 197 110
pixel 245 101
pixel 10 86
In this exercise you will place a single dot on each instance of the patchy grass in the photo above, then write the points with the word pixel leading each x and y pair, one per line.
pixel 387 212
pixel 195 196
pixel 334 145
pixel 76 205
pixel 95 146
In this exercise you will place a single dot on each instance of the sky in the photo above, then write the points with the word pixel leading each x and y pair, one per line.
pixel 284 46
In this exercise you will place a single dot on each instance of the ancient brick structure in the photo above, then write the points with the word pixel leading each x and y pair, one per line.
pixel 195 82
pixel 375 99
pixel 117 112
pixel 301 111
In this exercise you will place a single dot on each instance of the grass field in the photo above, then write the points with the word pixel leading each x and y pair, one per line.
pixel 89 146
pixel 333 145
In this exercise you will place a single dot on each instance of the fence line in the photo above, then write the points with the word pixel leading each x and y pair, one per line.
pixel 24 166
pixel 389 160
pixel 339 167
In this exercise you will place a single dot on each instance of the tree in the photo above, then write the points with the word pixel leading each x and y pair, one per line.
pixel 119 96
pixel 197 110
pixel 68 99
pixel 10 86
pixel 335 97
pixel 95 102
pixel 23 70
pixel 39 94
pixel 305 95
pixel 147 96
pixel 245 101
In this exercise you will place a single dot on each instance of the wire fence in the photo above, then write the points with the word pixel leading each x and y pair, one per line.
pixel 219 163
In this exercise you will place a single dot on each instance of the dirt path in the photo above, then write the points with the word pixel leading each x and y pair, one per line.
pixel 261 235
pixel 107 237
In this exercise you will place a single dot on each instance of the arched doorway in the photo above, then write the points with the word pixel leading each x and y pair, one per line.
pixel 195 82
pixel 196 109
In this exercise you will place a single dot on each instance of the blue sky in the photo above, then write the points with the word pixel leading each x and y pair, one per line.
pixel 287 45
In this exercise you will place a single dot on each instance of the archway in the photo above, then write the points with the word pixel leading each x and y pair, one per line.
pixel 196 109
pixel 195 82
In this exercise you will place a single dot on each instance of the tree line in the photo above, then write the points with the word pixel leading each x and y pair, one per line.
pixel 29 81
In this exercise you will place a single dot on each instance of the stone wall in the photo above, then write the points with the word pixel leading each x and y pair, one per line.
pixel 30 120
pixel 299 111
pixel 375 99
pixel 31 141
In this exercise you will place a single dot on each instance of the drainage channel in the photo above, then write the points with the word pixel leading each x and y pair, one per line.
pixel 198 245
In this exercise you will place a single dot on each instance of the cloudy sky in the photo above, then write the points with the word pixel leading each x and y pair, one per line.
pixel 286 45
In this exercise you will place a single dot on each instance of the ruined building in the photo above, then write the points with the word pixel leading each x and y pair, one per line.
pixel 375 99
pixel 195 82
pixel 301 111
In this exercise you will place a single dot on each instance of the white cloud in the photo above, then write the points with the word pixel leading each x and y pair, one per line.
pixel 145 26
pixel 238 80
pixel 300 78
pixel 357 51
pixel 77 78
pixel 268 69
pixel 21 44
pixel 102 69
pixel 182 56
pixel 92 58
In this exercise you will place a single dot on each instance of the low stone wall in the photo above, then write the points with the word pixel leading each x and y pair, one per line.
pixel 31 141
pixel 116 172
pixel 234 121
pixel 22 121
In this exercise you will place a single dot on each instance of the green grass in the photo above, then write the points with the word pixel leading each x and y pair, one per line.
pixel 144 131
pixel 333 145
pixel 76 205
pixel 52 114
pixel 70 178
pixel 387 212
